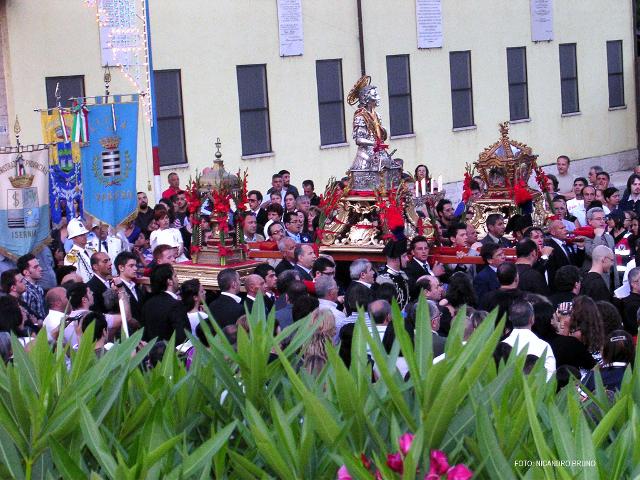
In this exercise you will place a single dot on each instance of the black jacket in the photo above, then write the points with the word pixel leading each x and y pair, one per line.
pixel 559 258
pixel 226 310
pixel 98 288
pixel 162 316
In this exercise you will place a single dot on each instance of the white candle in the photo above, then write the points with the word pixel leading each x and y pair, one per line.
pixel 423 185
pixel 417 194
pixel 432 188
pixel 123 316
pixel 440 183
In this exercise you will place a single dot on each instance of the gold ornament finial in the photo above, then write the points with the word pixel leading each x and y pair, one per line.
pixel 16 127
pixel 504 129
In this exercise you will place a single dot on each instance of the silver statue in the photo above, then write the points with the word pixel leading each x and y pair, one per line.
pixel 369 134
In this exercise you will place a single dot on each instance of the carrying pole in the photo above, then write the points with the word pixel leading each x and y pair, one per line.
pixel 157 188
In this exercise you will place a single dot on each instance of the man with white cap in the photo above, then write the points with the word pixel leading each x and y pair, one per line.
pixel 78 255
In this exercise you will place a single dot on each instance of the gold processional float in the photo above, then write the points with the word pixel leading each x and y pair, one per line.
pixel 358 218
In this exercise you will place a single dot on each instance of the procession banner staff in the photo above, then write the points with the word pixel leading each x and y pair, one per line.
pixel 109 158
pixel 24 199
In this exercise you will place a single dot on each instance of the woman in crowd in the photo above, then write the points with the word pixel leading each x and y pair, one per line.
pixel 192 294
pixel 615 222
pixel 568 349
pixel 618 353
pixel 314 355
pixel 314 212
pixel 586 325
pixel 167 235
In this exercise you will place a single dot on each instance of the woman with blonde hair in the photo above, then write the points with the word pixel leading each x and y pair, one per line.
pixel 314 356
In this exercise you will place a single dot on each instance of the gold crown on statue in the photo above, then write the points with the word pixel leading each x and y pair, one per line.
pixel 110 143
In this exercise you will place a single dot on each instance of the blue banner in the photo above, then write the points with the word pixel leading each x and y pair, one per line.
pixel 65 182
pixel 24 200
pixel 109 162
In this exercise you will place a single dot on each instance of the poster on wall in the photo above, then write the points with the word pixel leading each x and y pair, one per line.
pixel 541 20
pixel 290 28
pixel 429 23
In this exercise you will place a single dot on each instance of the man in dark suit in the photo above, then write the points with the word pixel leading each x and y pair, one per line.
pixel 419 265
pixel 495 231
pixel 255 201
pixel 304 257
pixel 563 253
pixel 268 274
pixel 101 280
pixel 227 308
pixel 362 278
pixel 163 315
pixel 531 280
pixel 287 248
pixel 127 265
pixel 487 280
pixel 507 294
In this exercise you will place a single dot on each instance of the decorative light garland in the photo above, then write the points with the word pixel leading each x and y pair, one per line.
pixel 132 57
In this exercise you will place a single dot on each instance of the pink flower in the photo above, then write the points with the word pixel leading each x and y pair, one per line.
pixel 394 461
pixel 343 473
pixel 405 441
pixel 439 462
pixel 459 472
pixel 432 475
pixel 378 475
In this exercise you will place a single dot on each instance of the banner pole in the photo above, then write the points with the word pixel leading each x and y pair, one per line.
pixel 157 188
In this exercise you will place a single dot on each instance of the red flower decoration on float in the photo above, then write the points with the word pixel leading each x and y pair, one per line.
pixel 221 209
pixel 466 187
pixel 521 193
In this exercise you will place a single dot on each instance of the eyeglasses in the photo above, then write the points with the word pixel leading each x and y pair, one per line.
pixel 329 273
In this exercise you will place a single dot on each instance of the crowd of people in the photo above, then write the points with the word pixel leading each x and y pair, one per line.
pixel 569 290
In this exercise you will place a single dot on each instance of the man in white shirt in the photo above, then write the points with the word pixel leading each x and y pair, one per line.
pixel 57 303
pixel 565 179
pixel 106 242
pixel 521 316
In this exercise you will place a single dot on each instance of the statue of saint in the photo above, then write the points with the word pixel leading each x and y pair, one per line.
pixel 368 132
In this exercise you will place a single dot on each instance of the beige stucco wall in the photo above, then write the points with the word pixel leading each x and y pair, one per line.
pixel 207 39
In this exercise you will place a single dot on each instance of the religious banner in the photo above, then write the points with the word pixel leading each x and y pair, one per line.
pixel 65 181
pixel 429 23
pixel 541 20
pixel 290 28
pixel 24 200
pixel 109 161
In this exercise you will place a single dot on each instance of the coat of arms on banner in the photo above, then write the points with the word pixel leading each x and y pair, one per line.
pixel 22 200
pixel 107 167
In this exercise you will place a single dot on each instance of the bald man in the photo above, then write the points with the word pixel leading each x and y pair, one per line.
pixel 57 302
pixel 254 285
pixel 563 252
